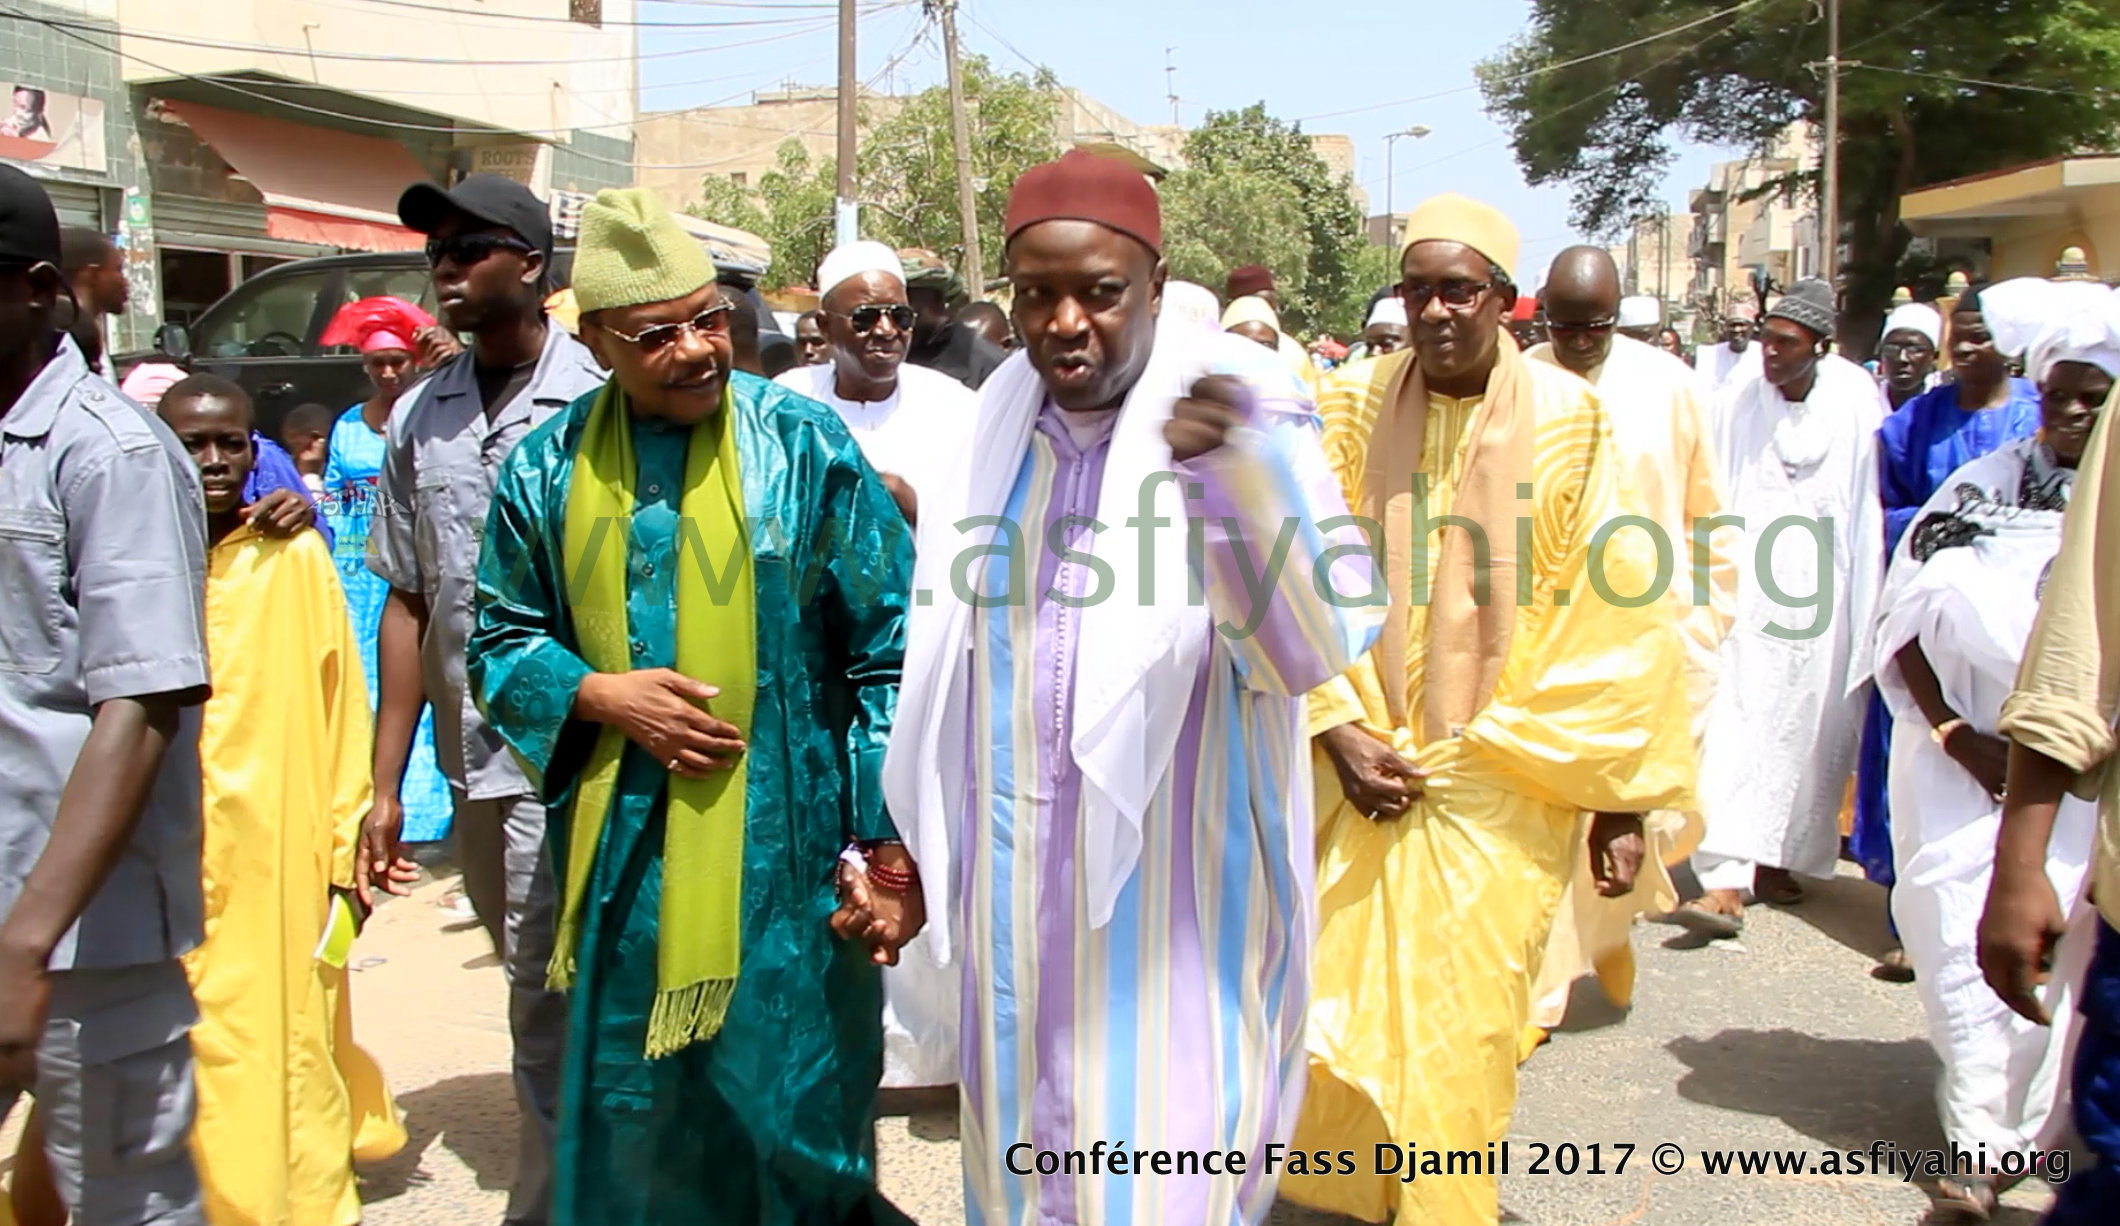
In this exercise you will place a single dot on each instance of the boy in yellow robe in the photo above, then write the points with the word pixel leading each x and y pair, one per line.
pixel 285 1101
pixel 1526 675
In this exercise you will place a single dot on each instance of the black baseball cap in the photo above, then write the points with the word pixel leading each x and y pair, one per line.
pixel 485 198
pixel 29 226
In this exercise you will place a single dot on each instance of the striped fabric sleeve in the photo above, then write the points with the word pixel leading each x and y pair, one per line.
pixel 1289 599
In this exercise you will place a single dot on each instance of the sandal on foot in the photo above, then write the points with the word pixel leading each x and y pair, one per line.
pixel 1971 1196
pixel 1778 891
pixel 1894 967
pixel 1698 919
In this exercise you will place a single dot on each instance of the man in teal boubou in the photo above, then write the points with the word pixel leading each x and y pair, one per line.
pixel 690 626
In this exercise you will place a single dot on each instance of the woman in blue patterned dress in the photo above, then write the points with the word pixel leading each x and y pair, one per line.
pixel 385 330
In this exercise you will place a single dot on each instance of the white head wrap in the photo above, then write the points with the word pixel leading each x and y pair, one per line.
pixel 1390 309
pixel 1193 304
pixel 1640 311
pixel 2050 322
pixel 1916 317
pixel 854 259
pixel 1251 309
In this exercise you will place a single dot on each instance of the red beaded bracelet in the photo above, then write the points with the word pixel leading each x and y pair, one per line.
pixel 896 880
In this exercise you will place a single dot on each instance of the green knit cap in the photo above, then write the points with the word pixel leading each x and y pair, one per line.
pixel 631 252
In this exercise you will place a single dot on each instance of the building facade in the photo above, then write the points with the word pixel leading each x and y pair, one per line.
pixel 676 150
pixel 2017 222
pixel 1751 228
pixel 1656 260
pixel 215 138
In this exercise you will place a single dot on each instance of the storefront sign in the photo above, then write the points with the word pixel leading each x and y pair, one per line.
pixel 528 165
pixel 53 129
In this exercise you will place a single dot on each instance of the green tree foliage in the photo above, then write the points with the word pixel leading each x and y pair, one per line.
pixel 1213 222
pixel 790 207
pixel 1605 126
pixel 905 177
pixel 1255 192
pixel 908 165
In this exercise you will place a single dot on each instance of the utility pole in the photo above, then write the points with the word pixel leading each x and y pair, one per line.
pixel 1391 224
pixel 1829 204
pixel 1170 86
pixel 1663 254
pixel 847 214
pixel 961 133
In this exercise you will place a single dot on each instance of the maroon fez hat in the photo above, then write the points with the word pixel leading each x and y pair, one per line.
pixel 1248 280
pixel 1084 187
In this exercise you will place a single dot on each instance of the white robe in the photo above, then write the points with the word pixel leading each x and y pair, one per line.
pixel 1719 370
pixel 914 435
pixel 1787 715
pixel 1971 607
pixel 1661 432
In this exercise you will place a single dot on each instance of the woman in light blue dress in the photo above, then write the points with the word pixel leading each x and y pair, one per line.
pixel 384 330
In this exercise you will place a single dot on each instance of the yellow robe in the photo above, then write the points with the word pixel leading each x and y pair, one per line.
pixel 1666 453
pixel 285 1100
pixel 1431 926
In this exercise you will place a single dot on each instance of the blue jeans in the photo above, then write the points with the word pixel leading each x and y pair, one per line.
pixel 2092 1197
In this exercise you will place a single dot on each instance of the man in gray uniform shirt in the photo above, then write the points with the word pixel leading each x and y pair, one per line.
pixel 102 670
pixel 490 245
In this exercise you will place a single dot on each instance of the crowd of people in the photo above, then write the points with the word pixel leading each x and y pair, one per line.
pixel 1192 755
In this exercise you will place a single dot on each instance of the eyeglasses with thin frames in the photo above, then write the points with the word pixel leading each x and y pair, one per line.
pixel 661 338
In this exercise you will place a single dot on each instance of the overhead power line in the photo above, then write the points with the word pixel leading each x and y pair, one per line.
pixel 1977 83
pixel 64 29
pixel 605 24
pixel 1006 45
pixel 546 18
pixel 371 57
pixel 1542 70
pixel 1577 104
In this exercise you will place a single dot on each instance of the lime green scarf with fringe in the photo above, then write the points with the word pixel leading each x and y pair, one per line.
pixel 700 927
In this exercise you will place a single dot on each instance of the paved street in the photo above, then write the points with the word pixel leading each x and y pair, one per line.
pixel 1781 1041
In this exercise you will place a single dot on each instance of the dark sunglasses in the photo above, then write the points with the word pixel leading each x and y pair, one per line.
pixel 714 321
pixel 1457 295
pixel 468 249
pixel 865 318
pixel 1558 328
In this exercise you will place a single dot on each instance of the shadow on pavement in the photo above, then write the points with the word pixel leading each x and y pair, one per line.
pixel 2005 1215
pixel 473 1116
pixel 1845 1093
pixel 1847 910
pixel 1288 1213
pixel 1589 1008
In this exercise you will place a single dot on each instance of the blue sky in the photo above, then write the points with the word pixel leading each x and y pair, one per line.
pixel 1228 54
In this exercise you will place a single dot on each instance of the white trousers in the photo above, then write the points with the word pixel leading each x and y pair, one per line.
pixel 1723 872
pixel 2002 1078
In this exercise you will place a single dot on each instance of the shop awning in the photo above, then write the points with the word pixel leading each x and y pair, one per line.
pixel 321 185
